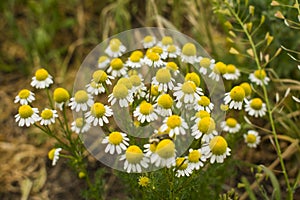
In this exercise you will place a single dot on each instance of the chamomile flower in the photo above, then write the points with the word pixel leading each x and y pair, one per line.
pixel 116 142
pixel 165 154
pixel 42 79
pixel 259 77
pixel 193 77
pixel 189 53
pixel 138 87
pixel 255 107
pixel 101 77
pixel 117 68
pixel 235 98
pixel 165 42
pixel 122 95
pixel 60 97
pixel 205 128
pixel 218 69
pixel 144 181
pixel 182 168
pixel 53 155
pixel 172 51
pixel 134 159
pixel 163 80
pixel 95 88
pixel 187 93
pixel 98 114
pixel 164 105
pixel 230 125
pixel 204 103
pixel 175 124
pixel 103 61
pixel 153 59
pixel 150 151
pixel 232 73
pixel 27 115
pixel 81 101
pixel 196 159
pixel 247 88
pixel 172 67
pixel 149 41
pixel 217 150
pixel 115 48
pixel 252 138
pixel 24 97
pixel 135 60
pixel 205 64
pixel 145 112
pixel 48 116
pixel 199 115
pixel 80 125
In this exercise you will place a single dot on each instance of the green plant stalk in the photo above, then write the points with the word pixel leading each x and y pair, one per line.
pixel 290 192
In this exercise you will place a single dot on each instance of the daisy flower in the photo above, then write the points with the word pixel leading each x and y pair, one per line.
pixel 145 112
pixel 163 80
pixel 24 97
pixel 218 68
pixel 116 141
pixel 247 88
pixel 172 67
pixel 232 73
pixel 80 125
pixel 189 53
pixel 60 96
pixel 81 101
pixel 135 60
pixel 181 167
pixel 117 68
pixel 138 87
pixel 48 116
pixel 153 59
pixel 103 61
pixel 98 114
pixel 164 105
pixel 165 42
pixel 149 41
pixel 187 93
pixel 53 155
pixel 176 124
pixel 205 64
pixel 204 103
pixel 127 83
pixel 101 77
pixel 115 48
pixel 235 98
pixel 205 128
pixel 196 159
pixel 172 51
pixel 252 138
pixel 255 107
pixel 122 95
pixel 199 115
pixel 134 159
pixel 259 77
pixel 42 79
pixel 165 154
pixel 217 150
pixel 27 115
pixel 230 125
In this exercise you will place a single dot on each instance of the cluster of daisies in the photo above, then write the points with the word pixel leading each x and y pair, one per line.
pixel 173 98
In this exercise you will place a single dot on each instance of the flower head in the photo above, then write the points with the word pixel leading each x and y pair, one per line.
pixel 116 141
pixel 182 168
pixel 80 125
pixel 193 77
pixel 204 103
pixel 247 88
pixel 134 159
pixel 115 48
pixel 81 101
pixel 187 93
pixel 121 94
pixel 165 153
pixel 175 124
pixel 164 105
pixel 98 114
pixel 172 67
pixel 259 77
pixel 24 97
pixel 27 115
pixel 230 125
pixel 149 41
pixel 255 107
pixel 48 116
pixel 42 79
pixel 163 80
pixel 252 138
pixel 53 155
pixel 153 59
pixel 60 96
pixel 135 60
pixel 235 97
pixel 117 68
pixel 103 61
pixel 145 112
pixel 189 53
pixel 196 159
pixel 205 64
pixel 232 73
pixel 205 128
pixel 217 149
pixel 218 68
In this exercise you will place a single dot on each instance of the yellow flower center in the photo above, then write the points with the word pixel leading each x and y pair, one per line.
pixel 206 125
pixel 154 90
pixel 256 103
pixel 134 57
pixel 61 95
pixel 163 75
pixel 167 40
pixel 115 44
pixel 135 80
pixel 138 53
pixel 230 69
pixel 99 76
pixel 115 138
pixel 189 49
pixel 204 101
pixel 165 101
pixel 120 91
pixel 152 56
pixel 202 114
pixel 194 156
pixel 101 59
pixel 157 50
pixel 181 163
pixel 188 87
pixel 79 122
pixel 152 147
pixel 218 145
pixel 220 68
pixel 205 62
pixel 237 93
pixel 165 148
pixel 144 181
pixel 171 49
pixel 193 77
pixel 126 82
pixel 260 74
pixel 231 122
pixel 134 154
pixel 47 114
pixel 246 86
pixel 116 64
pixel 251 138
pixel 41 74
pixel 98 110
pixel 148 39
pixel 24 94
pixel 25 111
pixel 146 108
pixel 81 96
pixel 51 154
pixel 174 121
pixel 172 66
pixel 224 107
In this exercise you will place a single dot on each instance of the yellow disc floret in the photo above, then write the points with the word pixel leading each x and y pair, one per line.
pixel 220 68
pixel 99 76
pixel 51 154
pixel 260 74
pixel 247 88
pixel 134 154
pixel 163 75
pixel 101 59
pixel 206 125
pixel 126 82
pixel 120 91
pixel 98 110
pixel 171 49
pixel 165 101
pixel 115 138
pixel 231 122
pixel 251 138
pixel 181 163
pixel 202 114
pixel 154 90
pixel 135 80
pixel 81 96
pixel 61 95
pixel 237 93
pixel 25 111
pixel 116 64
pixel 165 148
pixel 256 103
pixel 194 156
pixel 148 39
pixel 41 74
pixel 205 62
pixel 193 77
pixel 144 181
pixel 79 122
pixel 24 94
pixel 218 145
pixel 47 114
pixel 157 49
pixel 146 108
pixel 230 69
pixel 204 101
pixel 172 66
pixel 189 49
pixel 135 57
pixel 174 121
pixel 152 56
pixel 188 87
pixel 166 40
